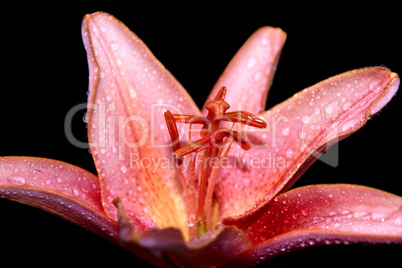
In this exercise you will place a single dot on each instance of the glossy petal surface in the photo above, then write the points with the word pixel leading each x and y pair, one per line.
pixel 207 251
pixel 323 214
pixel 249 74
pixel 129 92
pixel 59 188
pixel 311 120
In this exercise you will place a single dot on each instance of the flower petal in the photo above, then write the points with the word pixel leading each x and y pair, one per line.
pixel 323 214
pixel 59 188
pixel 207 251
pixel 129 92
pixel 249 74
pixel 298 128
pixel 167 247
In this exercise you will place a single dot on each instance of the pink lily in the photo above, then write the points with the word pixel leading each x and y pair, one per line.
pixel 254 217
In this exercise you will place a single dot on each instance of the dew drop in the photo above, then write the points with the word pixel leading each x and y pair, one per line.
pixel 246 182
pixel 85 118
pixel 304 212
pixel 360 214
pixel 76 192
pixel 16 180
pixel 251 62
pixel 329 109
pixel 289 153
pixel 114 46
pixel 378 216
pixel 374 86
pixel 132 92
pixel 398 221
pixel 123 169
pixel 285 131
pixel 347 105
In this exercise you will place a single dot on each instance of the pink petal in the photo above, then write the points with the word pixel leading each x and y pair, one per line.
pixel 249 74
pixel 62 189
pixel 207 251
pixel 323 214
pixel 164 247
pixel 129 92
pixel 311 120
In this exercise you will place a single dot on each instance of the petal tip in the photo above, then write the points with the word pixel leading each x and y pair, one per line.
pixel 388 92
pixel 266 29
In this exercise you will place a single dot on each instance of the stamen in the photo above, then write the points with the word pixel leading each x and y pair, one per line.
pixel 215 141
pixel 221 94
pixel 213 177
pixel 174 133
pixel 202 185
pixel 190 201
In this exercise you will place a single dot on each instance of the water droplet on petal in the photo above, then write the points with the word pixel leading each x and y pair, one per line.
pixel 133 93
pixel 304 212
pixel 114 46
pixel 289 153
pixel 251 62
pixel 398 221
pixel 16 180
pixel 347 105
pixel 123 169
pixel 85 118
pixel 285 131
pixel 375 86
pixel 360 214
pixel 246 182
pixel 329 109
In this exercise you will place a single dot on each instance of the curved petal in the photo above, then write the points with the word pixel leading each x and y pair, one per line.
pixel 214 248
pixel 323 214
pixel 249 74
pixel 298 129
pixel 57 187
pixel 129 92
pixel 167 247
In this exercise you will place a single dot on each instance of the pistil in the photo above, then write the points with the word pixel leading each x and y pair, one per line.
pixel 215 142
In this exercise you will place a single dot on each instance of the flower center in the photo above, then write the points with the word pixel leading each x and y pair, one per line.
pixel 214 146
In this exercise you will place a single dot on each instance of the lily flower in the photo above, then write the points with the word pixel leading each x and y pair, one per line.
pixel 184 187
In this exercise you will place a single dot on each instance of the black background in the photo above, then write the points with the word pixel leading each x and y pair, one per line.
pixel 45 74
